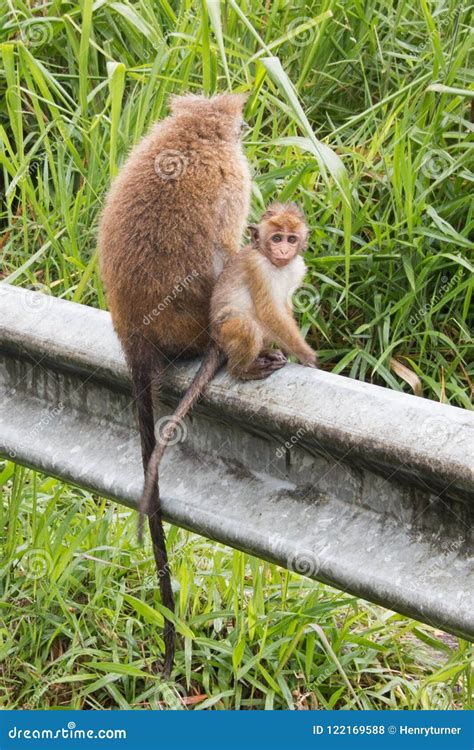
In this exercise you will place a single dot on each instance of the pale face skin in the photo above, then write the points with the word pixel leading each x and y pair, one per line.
pixel 282 246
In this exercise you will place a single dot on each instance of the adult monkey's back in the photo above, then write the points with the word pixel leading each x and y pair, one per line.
pixel 173 214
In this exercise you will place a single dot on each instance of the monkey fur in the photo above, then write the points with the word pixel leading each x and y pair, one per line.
pixel 175 212
pixel 250 310
pixel 251 302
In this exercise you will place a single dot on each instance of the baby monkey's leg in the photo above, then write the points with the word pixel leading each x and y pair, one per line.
pixel 242 341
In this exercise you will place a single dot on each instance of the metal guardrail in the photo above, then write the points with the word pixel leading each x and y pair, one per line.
pixel 361 487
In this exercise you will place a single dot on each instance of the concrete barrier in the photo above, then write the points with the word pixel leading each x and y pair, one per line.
pixel 361 487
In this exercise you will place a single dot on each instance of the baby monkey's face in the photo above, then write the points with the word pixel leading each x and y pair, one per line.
pixel 282 246
pixel 281 233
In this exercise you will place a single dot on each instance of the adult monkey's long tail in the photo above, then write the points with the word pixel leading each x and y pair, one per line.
pixel 141 369
pixel 212 361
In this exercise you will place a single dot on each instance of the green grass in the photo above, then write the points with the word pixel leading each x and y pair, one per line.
pixel 81 626
pixel 360 112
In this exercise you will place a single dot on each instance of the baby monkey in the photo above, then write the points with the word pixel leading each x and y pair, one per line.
pixel 251 301
pixel 250 310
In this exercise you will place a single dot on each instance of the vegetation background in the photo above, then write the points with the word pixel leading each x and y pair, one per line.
pixel 363 113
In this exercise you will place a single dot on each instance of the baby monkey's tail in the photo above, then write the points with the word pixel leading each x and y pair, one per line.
pixel 213 359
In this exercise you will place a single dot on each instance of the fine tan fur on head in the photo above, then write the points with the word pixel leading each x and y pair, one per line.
pixel 284 211
pixel 288 215
pixel 198 105
pixel 210 118
pixel 230 103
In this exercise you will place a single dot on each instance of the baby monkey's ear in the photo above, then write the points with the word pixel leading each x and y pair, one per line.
pixel 305 238
pixel 254 234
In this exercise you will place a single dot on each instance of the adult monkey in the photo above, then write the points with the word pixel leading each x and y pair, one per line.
pixel 173 215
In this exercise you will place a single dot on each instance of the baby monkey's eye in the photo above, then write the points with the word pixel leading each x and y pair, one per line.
pixel 292 239
pixel 276 238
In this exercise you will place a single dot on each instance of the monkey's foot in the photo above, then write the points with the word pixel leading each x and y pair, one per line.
pixel 275 355
pixel 262 367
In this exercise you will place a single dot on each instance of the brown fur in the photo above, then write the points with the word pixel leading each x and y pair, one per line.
pixel 249 307
pixel 155 232
pixel 160 227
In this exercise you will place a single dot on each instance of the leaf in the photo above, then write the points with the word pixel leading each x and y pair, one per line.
pixel 407 375
pixel 134 19
pixel 116 75
pixel 326 157
pixel 214 10
pixel 238 653
pixel 7 472
pixel 446 674
pixel 84 53
pixel 157 617
pixel 112 667
pixel 445 227
pixel 213 699
pixel 79 677
pixel 192 700
pixel 442 89
pixel 330 159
